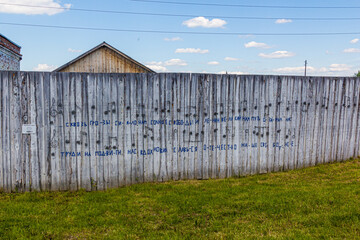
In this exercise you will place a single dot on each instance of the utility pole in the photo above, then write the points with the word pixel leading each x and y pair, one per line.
pixel 305 67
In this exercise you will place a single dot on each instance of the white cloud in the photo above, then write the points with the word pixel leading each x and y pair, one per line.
pixel 292 70
pixel 204 22
pixel 355 40
pixel 44 67
pixel 74 50
pixel 277 54
pixel 191 50
pixel 157 68
pixel 333 69
pixel 281 21
pixel 50 7
pixel 226 72
pixel 352 50
pixel 213 63
pixel 161 66
pixel 175 62
pixel 231 59
pixel 339 67
pixel 254 44
pixel 174 39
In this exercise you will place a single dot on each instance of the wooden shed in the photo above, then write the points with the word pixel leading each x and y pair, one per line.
pixel 104 59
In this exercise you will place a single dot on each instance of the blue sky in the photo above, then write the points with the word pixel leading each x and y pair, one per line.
pixel 330 55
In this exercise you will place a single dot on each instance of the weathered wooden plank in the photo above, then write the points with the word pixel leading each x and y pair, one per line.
pixel 167 109
pixel 264 108
pixel 236 127
pixel 324 123
pixel 336 120
pixel 84 135
pixel 100 143
pixel 105 116
pixel 54 139
pixel 230 125
pixel 222 127
pixel 287 117
pixel 357 134
pixel 120 124
pixel 140 127
pixel 317 121
pixel 134 131
pixel 46 163
pixel 349 113
pixel 61 128
pixel 156 127
pixel 191 128
pixel 355 126
pixel 2 169
pixel 149 131
pixel 295 116
pixel 302 124
pixel 342 129
pixel 280 121
pixel 273 161
pixel 34 157
pixel 41 128
pixel 199 122
pixel 212 126
pixel 255 124
pixel 218 128
pixel 15 126
pixel 113 133
pixel 259 114
pixel 330 121
pixel 6 126
pixel 66 170
pixel 310 108
pixel 175 112
pixel 181 129
pixel 244 133
pixel 91 130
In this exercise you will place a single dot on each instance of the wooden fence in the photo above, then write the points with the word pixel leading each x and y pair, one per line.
pixel 68 131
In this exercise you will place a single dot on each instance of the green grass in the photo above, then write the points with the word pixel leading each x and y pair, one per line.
pixel 321 202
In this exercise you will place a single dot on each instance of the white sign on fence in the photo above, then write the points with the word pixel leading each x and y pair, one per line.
pixel 28 128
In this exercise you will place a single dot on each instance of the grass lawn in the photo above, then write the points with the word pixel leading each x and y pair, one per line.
pixel 321 202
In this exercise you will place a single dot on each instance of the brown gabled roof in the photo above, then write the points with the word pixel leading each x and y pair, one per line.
pixel 104 44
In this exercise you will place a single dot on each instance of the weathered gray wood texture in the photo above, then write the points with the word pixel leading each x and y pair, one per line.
pixel 99 131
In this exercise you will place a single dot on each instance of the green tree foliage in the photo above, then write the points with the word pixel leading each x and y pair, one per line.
pixel 357 74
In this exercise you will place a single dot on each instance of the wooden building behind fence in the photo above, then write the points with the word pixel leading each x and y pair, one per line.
pixel 104 59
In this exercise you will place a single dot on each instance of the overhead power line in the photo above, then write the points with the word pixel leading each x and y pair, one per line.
pixel 245 5
pixel 185 15
pixel 180 32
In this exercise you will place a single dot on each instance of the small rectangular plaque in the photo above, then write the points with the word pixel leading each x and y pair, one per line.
pixel 28 128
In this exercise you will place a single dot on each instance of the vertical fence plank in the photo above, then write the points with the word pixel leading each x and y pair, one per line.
pixel 120 124
pixel 86 151
pixel 330 119
pixel 140 126
pixel 2 169
pixel 175 110
pixel 149 130
pixel 168 126
pixel 199 125
pixel 229 105
pixel 91 95
pixel 336 120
